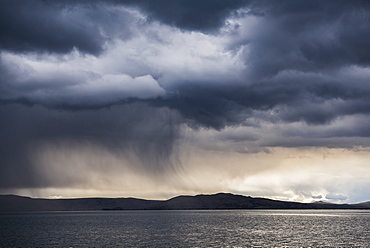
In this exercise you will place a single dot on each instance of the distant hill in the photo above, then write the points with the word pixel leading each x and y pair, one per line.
pixel 13 203
pixel 231 201
pixel 362 205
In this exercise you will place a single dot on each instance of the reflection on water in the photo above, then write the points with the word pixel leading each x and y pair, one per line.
pixel 216 228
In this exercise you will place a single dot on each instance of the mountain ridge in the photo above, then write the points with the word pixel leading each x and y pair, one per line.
pixel 15 203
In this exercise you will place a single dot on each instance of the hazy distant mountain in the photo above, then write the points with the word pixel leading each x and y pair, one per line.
pixel 231 201
pixel 362 205
pixel 223 201
pixel 12 203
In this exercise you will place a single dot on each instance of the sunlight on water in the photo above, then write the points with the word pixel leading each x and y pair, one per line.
pixel 232 228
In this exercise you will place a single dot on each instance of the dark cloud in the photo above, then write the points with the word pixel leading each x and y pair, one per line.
pixel 44 26
pixel 206 110
pixel 308 36
pixel 292 97
pixel 204 15
pixel 60 27
pixel 296 60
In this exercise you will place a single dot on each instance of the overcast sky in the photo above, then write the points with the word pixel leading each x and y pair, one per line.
pixel 156 98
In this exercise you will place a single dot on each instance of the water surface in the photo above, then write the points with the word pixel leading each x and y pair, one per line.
pixel 211 228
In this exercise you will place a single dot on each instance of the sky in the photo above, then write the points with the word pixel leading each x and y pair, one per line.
pixel 156 98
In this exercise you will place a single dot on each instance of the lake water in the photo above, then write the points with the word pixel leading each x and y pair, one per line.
pixel 214 228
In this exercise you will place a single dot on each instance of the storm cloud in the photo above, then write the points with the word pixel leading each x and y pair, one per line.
pixel 147 82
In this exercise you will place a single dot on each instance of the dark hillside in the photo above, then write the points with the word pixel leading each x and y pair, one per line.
pixel 13 203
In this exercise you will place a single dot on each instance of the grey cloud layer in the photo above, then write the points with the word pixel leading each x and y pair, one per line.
pixel 85 67
pixel 295 53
